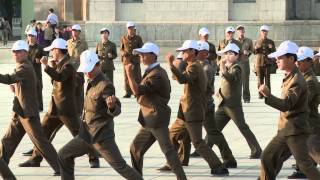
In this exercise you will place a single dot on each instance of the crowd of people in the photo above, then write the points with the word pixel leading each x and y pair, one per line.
pixel 88 113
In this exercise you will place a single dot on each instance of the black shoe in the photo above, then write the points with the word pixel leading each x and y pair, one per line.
pixel 297 175
pixel 28 153
pixel 230 164
pixel 221 171
pixel 165 168
pixel 29 163
pixel 56 174
pixel 195 154
pixel 127 96
pixel 246 101
pixel 260 97
pixel 94 163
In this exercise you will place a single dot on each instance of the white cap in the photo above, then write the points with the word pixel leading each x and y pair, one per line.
pixel 57 43
pixel 204 31
pixel 130 24
pixel 32 32
pixel 230 47
pixel 147 48
pixel 88 60
pixel 230 29
pixel 284 48
pixel 188 44
pixel 239 26
pixel 202 45
pixel 264 28
pixel 304 53
pixel 20 45
pixel 180 55
pixel 76 27
pixel 104 29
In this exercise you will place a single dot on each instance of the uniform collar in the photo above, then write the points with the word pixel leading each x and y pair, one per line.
pixel 151 66
pixel 309 72
pixel 96 79
pixel 291 74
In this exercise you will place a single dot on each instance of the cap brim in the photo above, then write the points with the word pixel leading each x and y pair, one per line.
pixel 301 57
pixel 85 68
pixel 140 51
pixel 49 48
pixel 220 53
pixel 276 54
pixel 318 54
pixel 181 49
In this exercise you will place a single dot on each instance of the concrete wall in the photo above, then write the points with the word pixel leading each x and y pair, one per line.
pixel 173 34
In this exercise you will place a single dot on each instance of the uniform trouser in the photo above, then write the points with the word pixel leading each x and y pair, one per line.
pixel 31 125
pixel 223 116
pixel 108 150
pixel 245 66
pixel 5 36
pixel 144 140
pixel 109 74
pixel 263 75
pixel 5 171
pixel 280 149
pixel 80 93
pixel 137 77
pixel 39 93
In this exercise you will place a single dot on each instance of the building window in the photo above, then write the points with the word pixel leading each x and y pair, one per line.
pixel 244 1
pixel 131 1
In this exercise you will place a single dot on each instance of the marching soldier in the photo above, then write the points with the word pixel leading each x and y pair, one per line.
pixel 127 44
pixel 263 65
pixel 107 52
pixel 304 64
pixel 153 91
pixel 245 51
pixel 293 127
pixel 204 34
pixel 25 109
pixel 193 104
pixel 97 126
pixel 229 38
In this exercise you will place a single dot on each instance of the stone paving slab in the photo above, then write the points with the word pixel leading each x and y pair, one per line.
pixel 261 119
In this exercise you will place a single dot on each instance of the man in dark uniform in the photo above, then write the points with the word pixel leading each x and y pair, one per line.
pixel 293 127
pixel 127 44
pixel 26 111
pixel 97 126
pixel 193 103
pixel 107 52
pixel 262 48
pixel 229 38
pixel 153 95
pixel 304 64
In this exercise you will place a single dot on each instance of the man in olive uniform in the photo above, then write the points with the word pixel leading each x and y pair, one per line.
pixel 229 38
pixel 35 54
pixel 204 34
pixel 193 103
pixel 107 52
pixel 263 65
pixel 153 95
pixel 245 51
pixel 25 109
pixel 76 46
pixel 316 63
pixel 97 126
pixel 127 44
pixel 293 127
pixel 62 110
pixel 304 64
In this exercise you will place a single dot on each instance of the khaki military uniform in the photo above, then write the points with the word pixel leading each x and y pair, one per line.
pixel 36 53
pixel 106 62
pixel 246 45
pixel 127 44
pixel 75 48
pixel 263 64
pixel 154 116
pixel 230 106
pixel 26 116
pixel 292 132
pixel 316 65
pixel 192 108
pixel 222 44
pixel 96 131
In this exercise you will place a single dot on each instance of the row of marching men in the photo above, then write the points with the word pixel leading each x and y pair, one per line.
pixel 93 130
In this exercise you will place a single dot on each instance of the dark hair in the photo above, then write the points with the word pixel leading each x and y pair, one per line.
pixel 315 52
pixel 64 51
pixel 51 10
pixel 33 21
pixel 291 55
